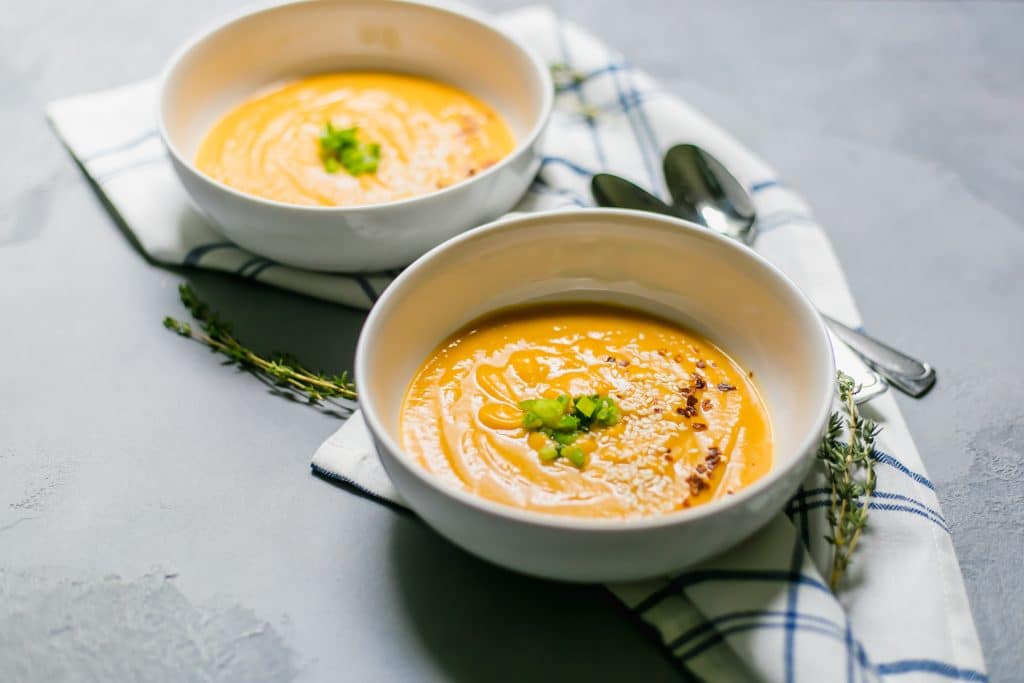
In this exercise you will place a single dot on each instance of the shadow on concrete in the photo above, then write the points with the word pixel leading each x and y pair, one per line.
pixel 483 623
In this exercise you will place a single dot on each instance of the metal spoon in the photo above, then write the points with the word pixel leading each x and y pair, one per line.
pixel 704 192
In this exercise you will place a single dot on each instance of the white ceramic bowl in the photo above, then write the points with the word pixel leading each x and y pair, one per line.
pixel 226 65
pixel 674 269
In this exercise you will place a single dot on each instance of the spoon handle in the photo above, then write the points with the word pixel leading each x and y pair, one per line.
pixel 907 374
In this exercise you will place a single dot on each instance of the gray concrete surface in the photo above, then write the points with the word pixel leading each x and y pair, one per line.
pixel 157 516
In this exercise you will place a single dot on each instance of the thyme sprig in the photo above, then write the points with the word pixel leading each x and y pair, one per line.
pixel 850 469
pixel 281 370
pixel 565 76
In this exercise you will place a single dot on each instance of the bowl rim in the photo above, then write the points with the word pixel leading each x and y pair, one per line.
pixel 540 122
pixel 775 476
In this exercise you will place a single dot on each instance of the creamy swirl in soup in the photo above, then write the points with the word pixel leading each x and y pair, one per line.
pixel 587 410
pixel 350 139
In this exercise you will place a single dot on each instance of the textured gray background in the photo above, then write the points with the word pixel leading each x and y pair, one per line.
pixel 156 511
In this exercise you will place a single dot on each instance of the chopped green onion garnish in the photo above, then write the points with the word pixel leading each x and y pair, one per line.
pixel 548 453
pixel 586 406
pixel 575 455
pixel 564 438
pixel 564 419
pixel 340 148
pixel 549 410
pixel 532 421
pixel 566 423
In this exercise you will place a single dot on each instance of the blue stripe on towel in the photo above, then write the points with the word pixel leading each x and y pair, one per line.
pixel 267 263
pixel 932 667
pixel 638 138
pixel 563 47
pixel 584 77
pixel 765 185
pixel 625 103
pixel 804 622
pixel 542 188
pixel 776 219
pixel 886 495
pixel 805 524
pixel 886 459
pixel 256 260
pixel 562 161
pixel 692 578
pixel 848 637
pixel 712 624
pixel 789 647
pixel 195 254
pixel 882 507
pixel 638 99
pixel 367 288
pixel 721 635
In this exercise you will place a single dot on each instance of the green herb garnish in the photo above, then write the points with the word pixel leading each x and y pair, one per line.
pixel 280 370
pixel 850 468
pixel 564 419
pixel 340 148
pixel 564 76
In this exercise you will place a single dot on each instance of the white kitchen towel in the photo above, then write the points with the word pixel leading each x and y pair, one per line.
pixel 761 611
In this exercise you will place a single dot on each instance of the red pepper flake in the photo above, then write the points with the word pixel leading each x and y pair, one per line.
pixel 609 359
pixel 668 458
pixel 698 381
pixel 657 410
pixel 685 390
pixel 723 386
pixel 707 405
pixel 701 364
pixel 696 484
pixel 691 400
pixel 702 469
pixel 681 410
pixel 714 451
pixel 699 426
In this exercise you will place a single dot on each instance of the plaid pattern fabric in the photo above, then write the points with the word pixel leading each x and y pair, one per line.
pixel 762 611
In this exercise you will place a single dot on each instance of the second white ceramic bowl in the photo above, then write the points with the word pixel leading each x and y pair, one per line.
pixel 674 269
pixel 227 64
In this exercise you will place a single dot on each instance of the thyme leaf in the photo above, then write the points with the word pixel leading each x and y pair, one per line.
pixel 850 470
pixel 281 370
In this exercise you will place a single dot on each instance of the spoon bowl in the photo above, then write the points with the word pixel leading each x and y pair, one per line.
pixel 700 185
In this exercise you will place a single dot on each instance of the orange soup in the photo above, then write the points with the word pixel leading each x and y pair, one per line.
pixel 587 410
pixel 409 136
